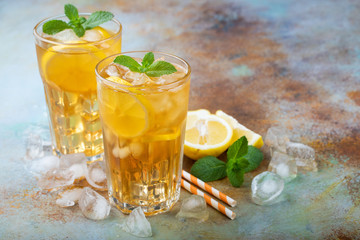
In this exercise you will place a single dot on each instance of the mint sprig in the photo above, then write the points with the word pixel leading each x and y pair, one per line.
pixel 209 169
pixel 148 65
pixel 241 159
pixel 78 24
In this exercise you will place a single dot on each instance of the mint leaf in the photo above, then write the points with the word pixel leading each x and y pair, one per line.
pixel 54 26
pixel 238 149
pixel 71 12
pixel 160 68
pixel 148 59
pixel 79 31
pixel 128 62
pixel 254 157
pixel 97 18
pixel 235 170
pixel 209 169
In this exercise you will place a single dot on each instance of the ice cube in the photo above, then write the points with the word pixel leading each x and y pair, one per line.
pixel 69 197
pixel 34 147
pixel 112 70
pixel 65 36
pixel 121 152
pixel 45 164
pixel 303 154
pixel 93 205
pixel 137 78
pixel 136 149
pixel 92 35
pixel 137 224
pixel 56 179
pixel 283 165
pixel 267 188
pixel 276 138
pixel 96 176
pixel 193 207
pixel 75 162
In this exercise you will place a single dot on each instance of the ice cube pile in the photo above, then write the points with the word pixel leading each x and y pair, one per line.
pixel 287 158
pixel 193 207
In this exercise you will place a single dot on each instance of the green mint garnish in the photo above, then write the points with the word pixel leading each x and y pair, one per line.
pixel 254 157
pixel 209 169
pixel 241 159
pixel 148 65
pixel 76 23
pixel 236 163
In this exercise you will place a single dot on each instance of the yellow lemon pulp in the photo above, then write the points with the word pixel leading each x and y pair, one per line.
pixel 253 138
pixel 71 67
pixel 125 113
pixel 206 135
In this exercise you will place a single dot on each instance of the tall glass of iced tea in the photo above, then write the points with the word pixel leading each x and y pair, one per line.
pixel 143 121
pixel 66 64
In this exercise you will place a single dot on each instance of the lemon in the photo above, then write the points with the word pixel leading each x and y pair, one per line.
pixel 70 67
pixel 119 80
pixel 124 113
pixel 253 138
pixel 206 134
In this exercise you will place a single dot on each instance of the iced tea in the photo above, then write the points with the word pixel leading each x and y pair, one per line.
pixel 143 122
pixel 66 64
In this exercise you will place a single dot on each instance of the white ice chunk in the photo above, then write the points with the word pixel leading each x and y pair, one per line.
pixel 96 176
pixel 55 179
pixel 34 147
pixel 276 138
pixel 266 188
pixel 283 165
pixel 303 154
pixel 112 70
pixel 75 162
pixel 93 205
pixel 137 224
pixel 45 164
pixel 92 35
pixel 193 207
pixel 69 197
pixel 66 36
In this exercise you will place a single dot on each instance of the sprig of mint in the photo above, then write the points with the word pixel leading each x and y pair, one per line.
pixel 241 159
pixel 148 65
pixel 76 23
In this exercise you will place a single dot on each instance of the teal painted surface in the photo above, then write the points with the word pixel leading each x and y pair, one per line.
pixel 282 62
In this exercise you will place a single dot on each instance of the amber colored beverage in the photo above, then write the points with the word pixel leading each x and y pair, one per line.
pixel 144 125
pixel 66 65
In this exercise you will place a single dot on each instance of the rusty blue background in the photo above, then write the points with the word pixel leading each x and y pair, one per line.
pixel 282 62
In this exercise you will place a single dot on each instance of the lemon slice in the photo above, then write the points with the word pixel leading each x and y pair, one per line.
pixel 119 80
pixel 70 67
pixel 206 135
pixel 253 138
pixel 124 113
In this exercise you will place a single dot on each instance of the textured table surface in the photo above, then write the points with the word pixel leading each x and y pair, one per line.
pixel 282 62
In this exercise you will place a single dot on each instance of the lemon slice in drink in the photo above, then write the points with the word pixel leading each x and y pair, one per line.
pixel 253 138
pixel 70 67
pixel 123 112
pixel 206 135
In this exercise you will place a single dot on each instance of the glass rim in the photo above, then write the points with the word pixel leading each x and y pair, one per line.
pixel 36 34
pixel 111 83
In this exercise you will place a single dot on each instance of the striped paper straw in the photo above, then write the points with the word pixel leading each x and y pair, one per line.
pixel 213 191
pixel 215 204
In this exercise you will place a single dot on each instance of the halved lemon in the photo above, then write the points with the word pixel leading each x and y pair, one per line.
pixel 71 67
pixel 206 135
pixel 253 138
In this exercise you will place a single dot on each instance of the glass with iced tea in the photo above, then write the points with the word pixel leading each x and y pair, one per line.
pixel 143 119
pixel 66 64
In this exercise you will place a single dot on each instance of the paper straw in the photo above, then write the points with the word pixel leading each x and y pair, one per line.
pixel 215 204
pixel 213 191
